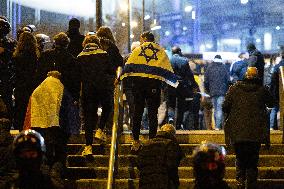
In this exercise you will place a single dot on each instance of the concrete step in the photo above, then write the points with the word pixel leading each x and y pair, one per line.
pixel 130 160
pixel 75 173
pixel 184 183
pixel 183 137
pixel 123 149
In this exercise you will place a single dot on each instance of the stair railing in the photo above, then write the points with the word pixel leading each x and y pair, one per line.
pixel 113 165
pixel 281 99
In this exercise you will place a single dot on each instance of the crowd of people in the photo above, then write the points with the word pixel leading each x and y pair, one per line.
pixel 58 91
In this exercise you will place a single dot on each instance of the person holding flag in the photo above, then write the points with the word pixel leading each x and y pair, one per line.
pixel 146 68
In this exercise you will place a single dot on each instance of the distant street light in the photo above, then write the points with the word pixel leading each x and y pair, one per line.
pixel 124 6
pixel 244 2
pixel 133 24
pixel 193 15
pixel 277 28
pixel 188 8
pixel 147 17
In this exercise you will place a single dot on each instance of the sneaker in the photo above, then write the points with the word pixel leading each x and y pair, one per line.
pixel 101 135
pixel 87 150
pixel 135 145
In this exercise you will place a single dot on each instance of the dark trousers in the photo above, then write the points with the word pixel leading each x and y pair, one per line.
pixel 247 156
pixel 91 99
pixel 191 117
pixel 178 103
pixel 146 91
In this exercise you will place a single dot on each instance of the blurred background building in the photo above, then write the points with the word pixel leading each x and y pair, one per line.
pixel 196 25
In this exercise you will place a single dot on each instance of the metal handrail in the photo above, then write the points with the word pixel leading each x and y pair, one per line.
pixel 281 99
pixel 114 141
pixel 282 76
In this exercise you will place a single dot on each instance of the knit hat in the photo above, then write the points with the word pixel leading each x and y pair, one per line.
pixel 251 73
pixel 169 128
pixel 218 59
pixel 74 23
pixel 251 47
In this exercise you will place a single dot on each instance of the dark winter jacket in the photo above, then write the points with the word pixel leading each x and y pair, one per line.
pixel 7 71
pixel 185 76
pixel 246 116
pixel 30 181
pixel 76 40
pixel 238 70
pixel 274 86
pixel 96 67
pixel 61 60
pixel 216 79
pixel 158 162
pixel 25 69
pixel 6 68
pixel 7 163
pixel 256 59
pixel 116 59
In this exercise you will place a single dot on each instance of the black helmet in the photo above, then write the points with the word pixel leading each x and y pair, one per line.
pixel 28 140
pixel 208 163
pixel 5 26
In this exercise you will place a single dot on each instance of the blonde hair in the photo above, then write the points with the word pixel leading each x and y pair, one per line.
pixel 105 32
pixel 91 39
pixel 61 39
pixel 27 44
pixel 55 74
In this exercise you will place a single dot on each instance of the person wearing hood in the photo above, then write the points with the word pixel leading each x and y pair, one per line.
pixel 97 89
pixel 59 59
pixel 158 160
pixel 246 126
pixel 178 97
pixel 256 59
pixel 107 42
pixel 76 39
pixel 209 166
pixel 216 83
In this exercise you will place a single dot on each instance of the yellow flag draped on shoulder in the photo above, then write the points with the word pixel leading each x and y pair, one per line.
pixel 151 61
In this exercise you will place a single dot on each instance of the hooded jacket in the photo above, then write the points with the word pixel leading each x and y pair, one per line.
pixel 158 162
pixel 115 58
pixel 245 109
pixel 96 67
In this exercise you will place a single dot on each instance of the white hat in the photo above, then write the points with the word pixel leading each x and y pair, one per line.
pixel 218 58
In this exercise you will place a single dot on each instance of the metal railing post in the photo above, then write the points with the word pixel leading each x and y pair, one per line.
pixel 281 99
pixel 114 141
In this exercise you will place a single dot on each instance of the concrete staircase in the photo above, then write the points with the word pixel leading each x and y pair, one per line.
pixel 91 171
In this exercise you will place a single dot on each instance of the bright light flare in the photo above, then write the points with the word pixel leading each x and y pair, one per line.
pixel 84 8
pixel 188 8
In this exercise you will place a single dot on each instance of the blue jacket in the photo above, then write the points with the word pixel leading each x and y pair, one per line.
pixel 274 86
pixel 216 79
pixel 238 70
pixel 184 74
